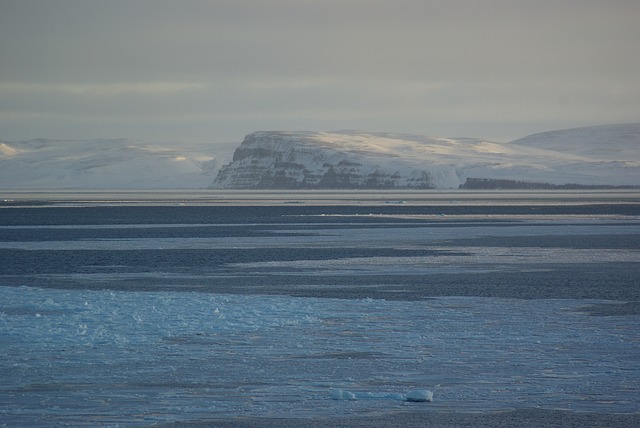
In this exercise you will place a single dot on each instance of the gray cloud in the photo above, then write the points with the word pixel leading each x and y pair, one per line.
pixel 215 70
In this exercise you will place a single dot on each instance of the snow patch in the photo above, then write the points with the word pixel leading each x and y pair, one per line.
pixel 7 150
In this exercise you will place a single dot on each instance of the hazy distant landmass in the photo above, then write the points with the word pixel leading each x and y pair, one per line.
pixel 591 157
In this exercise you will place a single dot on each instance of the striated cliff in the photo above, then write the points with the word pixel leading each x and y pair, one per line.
pixel 598 156
pixel 307 160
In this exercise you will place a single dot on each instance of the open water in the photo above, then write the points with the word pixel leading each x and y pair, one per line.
pixel 135 314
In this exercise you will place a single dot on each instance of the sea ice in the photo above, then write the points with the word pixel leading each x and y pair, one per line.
pixel 145 357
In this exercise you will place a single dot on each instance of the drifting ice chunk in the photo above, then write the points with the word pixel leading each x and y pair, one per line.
pixel 341 394
pixel 416 396
pixel 419 396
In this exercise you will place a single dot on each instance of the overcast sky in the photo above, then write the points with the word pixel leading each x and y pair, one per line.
pixel 213 71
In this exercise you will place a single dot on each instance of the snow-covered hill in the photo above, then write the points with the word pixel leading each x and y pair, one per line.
pixel 604 155
pixel 610 142
pixel 109 164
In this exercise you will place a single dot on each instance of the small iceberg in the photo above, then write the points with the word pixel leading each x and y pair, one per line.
pixel 341 394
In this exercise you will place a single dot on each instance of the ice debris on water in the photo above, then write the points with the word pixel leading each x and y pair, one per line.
pixel 415 396
pixel 341 394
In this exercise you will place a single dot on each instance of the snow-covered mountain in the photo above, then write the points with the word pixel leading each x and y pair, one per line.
pixel 109 164
pixel 596 156
pixel 603 155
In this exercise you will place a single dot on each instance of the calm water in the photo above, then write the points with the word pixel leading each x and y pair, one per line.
pixel 135 314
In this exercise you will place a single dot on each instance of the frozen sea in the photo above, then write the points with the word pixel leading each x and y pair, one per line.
pixel 131 314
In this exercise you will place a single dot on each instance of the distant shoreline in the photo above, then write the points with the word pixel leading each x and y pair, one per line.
pixel 34 197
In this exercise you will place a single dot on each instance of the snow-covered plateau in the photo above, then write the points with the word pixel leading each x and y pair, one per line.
pixel 607 155
pixel 595 156
pixel 109 164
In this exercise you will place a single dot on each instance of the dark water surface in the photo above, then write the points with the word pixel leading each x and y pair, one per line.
pixel 137 314
pixel 442 250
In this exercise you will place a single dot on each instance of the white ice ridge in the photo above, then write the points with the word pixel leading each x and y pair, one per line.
pixel 415 396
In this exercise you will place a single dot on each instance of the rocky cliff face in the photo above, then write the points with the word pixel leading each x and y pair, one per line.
pixel 597 156
pixel 282 160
